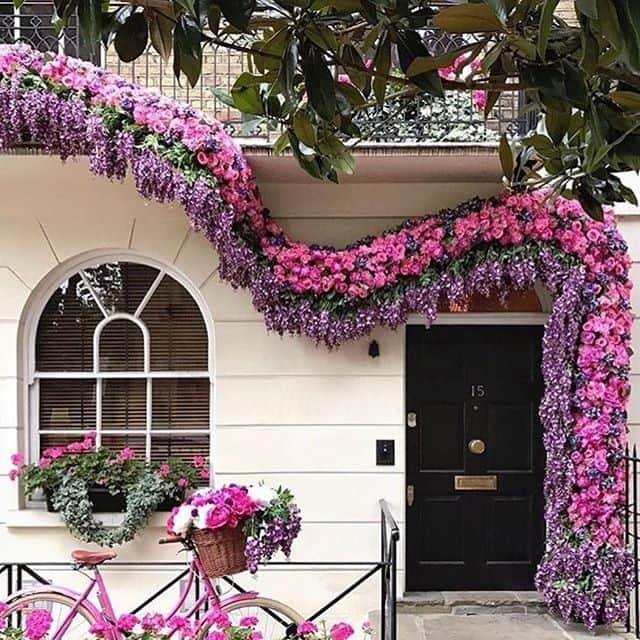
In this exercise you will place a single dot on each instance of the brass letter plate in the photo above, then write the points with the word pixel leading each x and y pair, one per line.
pixel 475 483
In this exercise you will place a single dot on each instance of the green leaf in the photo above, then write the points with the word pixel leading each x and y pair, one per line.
pixel 246 94
pixel 429 63
pixel 281 143
pixel 321 36
pixel 319 84
pixel 237 12
pixel 629 17
pixel 468 18
pixel 223 96
pixel 506 157
pixel 498 7
pixel 304 128
pixel 542 144
pixel 161 34
pixel 187 57
pixel 557 123
pixel 90 20
pixel 213 16
pixel 546 21
pixel 410 47
pixel 588 8
pixel 131 38
pixel 628 100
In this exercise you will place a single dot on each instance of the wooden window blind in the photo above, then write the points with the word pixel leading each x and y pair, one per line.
pixel 96 371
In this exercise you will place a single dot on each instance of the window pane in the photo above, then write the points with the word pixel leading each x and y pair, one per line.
pixel 178 332
pixel 68 404
pixel 121 286
pixel 177 446
pixel 180 404
pixel 64 341
pixel 137 443
pixel 121 347
pixel 123 404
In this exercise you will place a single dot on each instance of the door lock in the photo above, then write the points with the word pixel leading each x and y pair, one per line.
pixel 411 494
pixel 412 419
pixel 477 447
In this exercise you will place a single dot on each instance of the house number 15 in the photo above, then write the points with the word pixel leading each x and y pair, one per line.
pixel 477 390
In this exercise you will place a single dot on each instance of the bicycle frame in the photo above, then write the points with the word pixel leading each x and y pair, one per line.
pixel 105 611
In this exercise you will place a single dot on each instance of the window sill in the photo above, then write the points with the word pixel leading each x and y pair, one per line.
pixel 39 518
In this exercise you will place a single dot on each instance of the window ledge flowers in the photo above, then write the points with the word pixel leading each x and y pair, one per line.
pixel 333 295
pixel 269 518
pixel 73 478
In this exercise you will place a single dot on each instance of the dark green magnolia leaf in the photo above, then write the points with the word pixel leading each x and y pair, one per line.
pixel 588 8
pixel 589 203
pixel 609 24
pixel 223 96
pixel 187 57
pixel 629 18
pixel 628 100
pixel 506 157
pixel 90 20
pixel 590 51
pixel 544 28
pixel 304 128
pixel 492 99
pixel 321 36
pixel 577 91
pixel 131 37
pixel 161 34
pixel 557 123
pixel 237 12
pixel 410 47
pixel 213 17
pixel 64 10
pixel 18 3
pixel 498 7
pixel 542 144
pixel 382 64
pixel 429 63
pixel 281 143
pixel 319 83
pixel 468 18
pixel 247 98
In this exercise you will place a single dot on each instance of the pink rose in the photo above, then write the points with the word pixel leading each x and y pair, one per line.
pixel 17 459
pixel 341 631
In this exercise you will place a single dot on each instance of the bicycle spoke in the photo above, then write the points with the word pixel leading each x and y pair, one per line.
pixel 272 624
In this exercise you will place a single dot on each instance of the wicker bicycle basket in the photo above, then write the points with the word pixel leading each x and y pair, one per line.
pixel 221 551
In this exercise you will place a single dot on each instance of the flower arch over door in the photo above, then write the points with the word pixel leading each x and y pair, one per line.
pixel 122 349
pixel 332 295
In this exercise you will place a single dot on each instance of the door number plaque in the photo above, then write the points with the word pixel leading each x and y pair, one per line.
pixel 475 483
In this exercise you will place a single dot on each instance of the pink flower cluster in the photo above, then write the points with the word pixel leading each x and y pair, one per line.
pixel 37 624
pixel 228 506
pixel 213 149
pixel 460 69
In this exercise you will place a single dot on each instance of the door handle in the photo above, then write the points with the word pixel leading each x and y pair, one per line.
pixel 411 494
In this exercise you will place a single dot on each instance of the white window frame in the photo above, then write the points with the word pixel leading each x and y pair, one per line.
pixel 37 303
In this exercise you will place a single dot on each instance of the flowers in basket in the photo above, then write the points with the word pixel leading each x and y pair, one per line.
pixel 269 518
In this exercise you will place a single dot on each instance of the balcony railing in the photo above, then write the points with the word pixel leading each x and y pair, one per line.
pixel 427 120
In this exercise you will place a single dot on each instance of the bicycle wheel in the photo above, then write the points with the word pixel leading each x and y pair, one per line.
pixel 59 606
pixel 276 620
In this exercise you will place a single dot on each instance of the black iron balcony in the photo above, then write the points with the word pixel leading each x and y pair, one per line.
pixel 455 119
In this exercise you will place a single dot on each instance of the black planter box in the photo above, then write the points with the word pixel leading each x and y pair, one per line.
pixel 101 499
pixel 105 502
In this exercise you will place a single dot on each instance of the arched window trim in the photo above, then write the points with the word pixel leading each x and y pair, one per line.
pixel 29 327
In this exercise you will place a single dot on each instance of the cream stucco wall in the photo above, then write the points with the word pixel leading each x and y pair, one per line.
pixel 287 412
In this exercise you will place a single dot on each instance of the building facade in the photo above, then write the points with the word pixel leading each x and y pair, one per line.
pixel 277 409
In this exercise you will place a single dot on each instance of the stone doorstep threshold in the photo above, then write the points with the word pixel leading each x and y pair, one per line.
pixel 471 602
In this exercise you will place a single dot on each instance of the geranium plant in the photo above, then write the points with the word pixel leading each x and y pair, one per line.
pixel 269 517
pixel 36 624
pixel 70 476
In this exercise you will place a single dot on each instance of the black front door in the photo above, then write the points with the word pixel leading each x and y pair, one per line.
pixel 475 458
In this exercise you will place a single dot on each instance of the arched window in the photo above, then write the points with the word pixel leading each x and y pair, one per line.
pixel 122 349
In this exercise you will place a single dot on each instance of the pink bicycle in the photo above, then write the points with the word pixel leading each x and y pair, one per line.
pixel 74 613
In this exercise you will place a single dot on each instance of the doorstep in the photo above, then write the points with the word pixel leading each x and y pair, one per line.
pixel 471 602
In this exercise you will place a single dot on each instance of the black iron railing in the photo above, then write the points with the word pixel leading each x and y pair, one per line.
pixel 427 120
pixel 16 575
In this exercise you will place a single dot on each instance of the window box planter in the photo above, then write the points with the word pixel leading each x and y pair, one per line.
pixel 105 502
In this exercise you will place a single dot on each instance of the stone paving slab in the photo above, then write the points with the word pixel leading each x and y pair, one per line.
pixel 504 626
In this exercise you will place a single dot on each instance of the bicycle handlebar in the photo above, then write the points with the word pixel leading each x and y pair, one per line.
pixel 171 540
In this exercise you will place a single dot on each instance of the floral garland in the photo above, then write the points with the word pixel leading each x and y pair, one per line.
pixel 175 154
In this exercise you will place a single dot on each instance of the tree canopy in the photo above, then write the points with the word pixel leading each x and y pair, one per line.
pixel 315 65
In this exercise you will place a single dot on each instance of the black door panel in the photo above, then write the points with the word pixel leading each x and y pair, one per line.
pixel 474 383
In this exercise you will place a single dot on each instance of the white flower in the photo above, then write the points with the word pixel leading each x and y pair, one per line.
pixel 183 520
pixel 200 521
pixel 262 495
